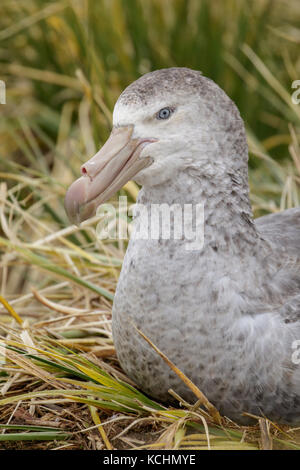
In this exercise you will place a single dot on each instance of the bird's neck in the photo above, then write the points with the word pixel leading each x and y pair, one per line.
pixel 227 214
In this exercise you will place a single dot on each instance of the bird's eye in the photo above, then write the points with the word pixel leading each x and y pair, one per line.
pixel 164 113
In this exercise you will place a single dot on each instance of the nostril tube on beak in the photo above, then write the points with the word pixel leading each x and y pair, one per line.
pixel 92 167
pixel 105 173
pixel 118 139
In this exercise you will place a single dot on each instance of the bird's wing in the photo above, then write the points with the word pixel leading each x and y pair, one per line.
pixel 283 229
pixel 290 312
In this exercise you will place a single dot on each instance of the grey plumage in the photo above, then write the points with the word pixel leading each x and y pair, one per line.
pixel 228 314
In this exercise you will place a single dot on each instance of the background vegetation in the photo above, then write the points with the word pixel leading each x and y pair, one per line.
pixel 65 63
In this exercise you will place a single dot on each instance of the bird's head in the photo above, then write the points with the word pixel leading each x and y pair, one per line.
pixel 164 122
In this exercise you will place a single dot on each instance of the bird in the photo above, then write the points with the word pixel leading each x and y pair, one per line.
pixel 225 311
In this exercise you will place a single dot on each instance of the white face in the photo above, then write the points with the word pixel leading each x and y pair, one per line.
pixel 166 123
pixel 181 138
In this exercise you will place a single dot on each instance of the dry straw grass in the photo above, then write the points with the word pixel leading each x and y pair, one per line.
pixel 65 63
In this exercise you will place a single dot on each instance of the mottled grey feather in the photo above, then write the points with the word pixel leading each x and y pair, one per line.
pixel 282 228
pixel 227 315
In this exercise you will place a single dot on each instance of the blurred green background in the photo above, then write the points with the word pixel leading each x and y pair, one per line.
pixel 65 63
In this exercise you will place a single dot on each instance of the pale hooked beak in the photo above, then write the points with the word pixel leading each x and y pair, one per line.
pixel 105 173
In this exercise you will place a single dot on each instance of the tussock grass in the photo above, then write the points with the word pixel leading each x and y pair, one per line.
pixel 65 63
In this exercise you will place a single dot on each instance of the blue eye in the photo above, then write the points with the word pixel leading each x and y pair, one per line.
pixel 164 113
